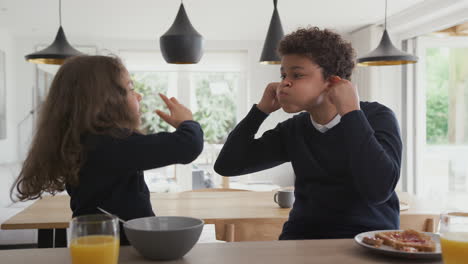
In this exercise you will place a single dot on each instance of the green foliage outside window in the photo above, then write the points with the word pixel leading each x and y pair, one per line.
pixel 149 85
pixel 216 111
pixel 437 97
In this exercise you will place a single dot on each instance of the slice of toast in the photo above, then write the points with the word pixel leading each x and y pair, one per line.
pixel 376 242
pixel 407 238
pixel 409 249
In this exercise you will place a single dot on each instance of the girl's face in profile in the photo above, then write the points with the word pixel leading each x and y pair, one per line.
pixel 133 98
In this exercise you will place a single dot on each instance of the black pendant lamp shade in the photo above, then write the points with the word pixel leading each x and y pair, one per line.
pixel 275 34
pixel 386 53
pixel 181 44
pixel 58 51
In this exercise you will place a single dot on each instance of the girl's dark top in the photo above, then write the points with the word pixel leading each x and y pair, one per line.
pixel 345 177
pixel 112 175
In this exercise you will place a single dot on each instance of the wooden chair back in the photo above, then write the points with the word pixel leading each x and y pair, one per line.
pixel 419 222
pixel 259 229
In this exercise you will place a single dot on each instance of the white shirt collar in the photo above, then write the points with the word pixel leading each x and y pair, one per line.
pixel 326 127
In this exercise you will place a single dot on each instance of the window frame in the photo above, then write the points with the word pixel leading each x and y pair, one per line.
pixel 422 43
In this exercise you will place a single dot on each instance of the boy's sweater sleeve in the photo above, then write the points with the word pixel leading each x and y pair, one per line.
pixel 151 151
pixel 242 153
pixel 374 146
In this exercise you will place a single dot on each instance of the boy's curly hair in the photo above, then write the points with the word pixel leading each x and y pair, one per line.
pixel 324 47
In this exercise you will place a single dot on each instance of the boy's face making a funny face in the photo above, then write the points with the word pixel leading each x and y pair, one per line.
pixel 303 86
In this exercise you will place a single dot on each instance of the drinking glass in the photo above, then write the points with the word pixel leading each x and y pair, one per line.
pixel 94 239
pixel 454 237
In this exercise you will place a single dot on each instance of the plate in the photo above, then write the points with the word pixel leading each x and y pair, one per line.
pixel 387 250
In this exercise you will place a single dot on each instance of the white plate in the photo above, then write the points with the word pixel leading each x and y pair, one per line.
pixel 387 250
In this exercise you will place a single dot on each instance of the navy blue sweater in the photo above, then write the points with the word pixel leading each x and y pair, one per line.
pixel 112 175
pixel 345 177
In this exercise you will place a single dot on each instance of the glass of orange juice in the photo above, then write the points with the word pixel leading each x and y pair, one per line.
pixel 454 237
pixel 94 239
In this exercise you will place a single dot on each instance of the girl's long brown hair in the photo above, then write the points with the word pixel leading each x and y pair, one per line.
pixel 86 96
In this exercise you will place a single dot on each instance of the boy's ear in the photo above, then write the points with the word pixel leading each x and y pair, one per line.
pixel 334 79
pixel 329 81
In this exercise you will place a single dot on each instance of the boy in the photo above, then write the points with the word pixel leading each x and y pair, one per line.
pixel 346 154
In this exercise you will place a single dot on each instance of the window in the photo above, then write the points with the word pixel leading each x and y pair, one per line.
pixel 212 89
pixel 2 96
pixel 215 104
pixel 215 108
pixel 150 84
pixel 442 111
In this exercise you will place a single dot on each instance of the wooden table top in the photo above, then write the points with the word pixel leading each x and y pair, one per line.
pixel 275 252
pixel 54 211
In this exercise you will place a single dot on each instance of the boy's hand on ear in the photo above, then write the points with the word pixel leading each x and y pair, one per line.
pixel 343 94
pixel 178 112
pixel 269 102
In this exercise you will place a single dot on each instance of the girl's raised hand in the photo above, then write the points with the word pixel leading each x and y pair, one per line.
pixel 178 112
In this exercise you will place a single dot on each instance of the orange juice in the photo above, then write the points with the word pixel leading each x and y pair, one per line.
pixel 454 248
pixel 99 249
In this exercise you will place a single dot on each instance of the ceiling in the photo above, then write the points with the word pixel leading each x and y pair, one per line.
pixel 214 19
pixel 457 30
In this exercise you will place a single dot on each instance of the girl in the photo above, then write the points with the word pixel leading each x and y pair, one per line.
pixel 87 141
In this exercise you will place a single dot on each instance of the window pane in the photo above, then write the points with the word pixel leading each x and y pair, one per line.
pixel 437 102
pixel 149 85
pixel 445 166
pixel 215 109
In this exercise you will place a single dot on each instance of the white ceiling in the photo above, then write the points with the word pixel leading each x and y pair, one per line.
pixel 214 19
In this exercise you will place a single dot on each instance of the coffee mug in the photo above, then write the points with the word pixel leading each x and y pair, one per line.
pixel 284 198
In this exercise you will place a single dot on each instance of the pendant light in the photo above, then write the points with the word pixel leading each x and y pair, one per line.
pixel 58 51
pixel 386 53
pixel 181 44
pixel 275 34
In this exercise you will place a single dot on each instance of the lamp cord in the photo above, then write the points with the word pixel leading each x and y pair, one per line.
pixel 385 14
pixel 275 2
pixel 60 12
